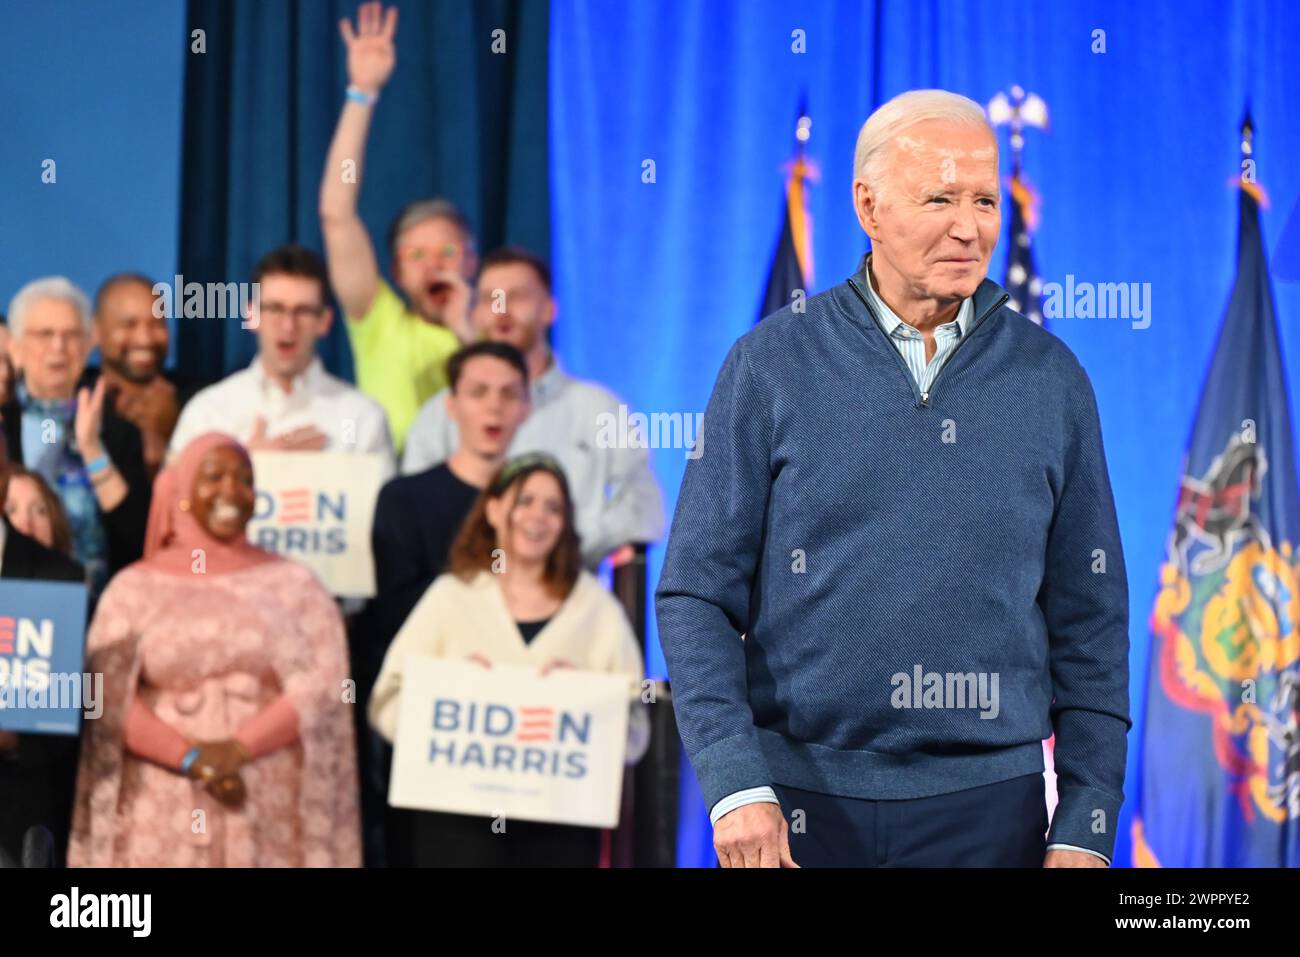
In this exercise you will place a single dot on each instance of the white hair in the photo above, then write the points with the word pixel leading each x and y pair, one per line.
pixel 903 111
pixel 38 290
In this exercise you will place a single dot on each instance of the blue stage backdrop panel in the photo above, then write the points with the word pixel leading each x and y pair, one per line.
pixel 657 279
pixel 96 88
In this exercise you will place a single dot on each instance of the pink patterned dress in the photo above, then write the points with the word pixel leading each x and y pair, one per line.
pixel 206 653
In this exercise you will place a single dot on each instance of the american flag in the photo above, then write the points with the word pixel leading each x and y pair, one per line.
pixel 1019 110
pixel 1022 280
pixel 792 263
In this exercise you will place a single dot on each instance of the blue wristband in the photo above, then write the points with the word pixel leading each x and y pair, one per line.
pixel 97 465
pixel 357 95
pixel 187 762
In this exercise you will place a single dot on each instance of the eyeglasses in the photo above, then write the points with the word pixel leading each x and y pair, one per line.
pixel 276 310
pixel 415 254
pixel 45 337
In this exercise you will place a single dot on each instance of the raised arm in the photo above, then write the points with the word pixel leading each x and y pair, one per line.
pixel 354 271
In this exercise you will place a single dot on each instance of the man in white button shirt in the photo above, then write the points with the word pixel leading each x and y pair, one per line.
pixel 617 499
pixel 285 400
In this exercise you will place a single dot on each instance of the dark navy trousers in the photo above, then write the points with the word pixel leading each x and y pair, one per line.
pixel 996 825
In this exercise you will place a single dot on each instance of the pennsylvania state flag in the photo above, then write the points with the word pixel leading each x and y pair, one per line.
pixel 1219 763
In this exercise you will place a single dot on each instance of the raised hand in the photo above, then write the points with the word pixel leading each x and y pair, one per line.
pixel 90 416
pixel 455 312
pixel 371 54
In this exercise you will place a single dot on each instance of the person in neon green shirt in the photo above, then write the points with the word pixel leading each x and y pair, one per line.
pixel 400 344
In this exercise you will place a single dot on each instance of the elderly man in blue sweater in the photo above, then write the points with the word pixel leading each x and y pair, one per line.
pixel 896 567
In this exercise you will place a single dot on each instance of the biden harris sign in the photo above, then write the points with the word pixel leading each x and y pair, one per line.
pixel 317 508
pixel 42 645
pixel 507 742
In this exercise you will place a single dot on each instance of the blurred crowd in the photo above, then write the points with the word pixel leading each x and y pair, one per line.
pixel 248 714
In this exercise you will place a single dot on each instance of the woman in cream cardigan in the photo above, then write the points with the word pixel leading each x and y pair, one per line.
pixel 515 594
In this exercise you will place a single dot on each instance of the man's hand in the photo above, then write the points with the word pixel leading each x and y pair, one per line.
pixel 152 408
pixel 1059 858
pixel 371 55
pixel 753 835
pixel 455 311
pixel 8 741
pixel 308 438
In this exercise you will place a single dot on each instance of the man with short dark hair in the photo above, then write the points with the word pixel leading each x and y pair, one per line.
pixel 616 497
pixel 133 343
pixel 400 348
pixel 417 518
pixel 285 400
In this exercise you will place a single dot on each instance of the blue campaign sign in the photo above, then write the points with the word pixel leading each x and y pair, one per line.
pixel 42 652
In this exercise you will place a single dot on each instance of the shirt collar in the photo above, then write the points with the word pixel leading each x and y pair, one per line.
pixel 32 406
pixel 889 319
pixel 547 385
pixel 306 381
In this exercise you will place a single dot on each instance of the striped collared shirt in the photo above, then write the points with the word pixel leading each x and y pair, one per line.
pixel 910 343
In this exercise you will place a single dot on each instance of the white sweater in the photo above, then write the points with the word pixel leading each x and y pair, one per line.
pixel 455 619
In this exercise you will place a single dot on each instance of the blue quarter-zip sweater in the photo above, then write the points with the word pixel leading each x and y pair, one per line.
pixel 878 593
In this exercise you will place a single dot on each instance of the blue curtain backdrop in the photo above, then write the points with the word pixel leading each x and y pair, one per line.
pixel 656 280
pixel 260 107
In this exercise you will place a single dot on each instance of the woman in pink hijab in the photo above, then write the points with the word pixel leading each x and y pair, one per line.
pixel 226 737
